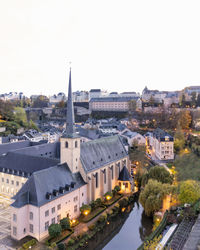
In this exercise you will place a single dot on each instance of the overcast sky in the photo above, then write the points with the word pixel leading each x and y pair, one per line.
pixel 113 45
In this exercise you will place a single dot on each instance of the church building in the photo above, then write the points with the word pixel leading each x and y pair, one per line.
pixel 85 172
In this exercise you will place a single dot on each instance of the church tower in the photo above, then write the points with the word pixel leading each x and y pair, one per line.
pixel 70 141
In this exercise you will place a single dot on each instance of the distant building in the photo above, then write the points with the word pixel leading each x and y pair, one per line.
pixel 57 98
pixel 80 96
pixel 94 93
pixel 133 136
pixel 110 104
pixel 160 145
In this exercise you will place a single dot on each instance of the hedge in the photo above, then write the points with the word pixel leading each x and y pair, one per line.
pixel 29 243
pixel 91 216
pixel 113 200
pixel 60 238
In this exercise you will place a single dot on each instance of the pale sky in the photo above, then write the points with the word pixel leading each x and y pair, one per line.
pixel 113 45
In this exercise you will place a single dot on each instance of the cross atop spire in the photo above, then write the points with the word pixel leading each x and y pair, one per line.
pixel 70 129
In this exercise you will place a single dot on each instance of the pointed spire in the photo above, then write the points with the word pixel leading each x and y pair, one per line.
pixel 70 129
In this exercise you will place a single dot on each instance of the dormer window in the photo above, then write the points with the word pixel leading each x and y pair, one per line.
pixel 93 162
pixel 61 190
pixel 73 184
pixel 3 169
pixel 67 187
pixel 55 192
pixel 66 144
pixel 7 170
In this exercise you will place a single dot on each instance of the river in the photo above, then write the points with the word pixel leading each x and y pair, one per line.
pixel 132 233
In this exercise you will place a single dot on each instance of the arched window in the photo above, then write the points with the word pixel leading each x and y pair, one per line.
pixel 76 144
pixel 66 144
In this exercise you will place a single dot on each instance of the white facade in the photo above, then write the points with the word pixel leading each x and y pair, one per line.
pixel 34 221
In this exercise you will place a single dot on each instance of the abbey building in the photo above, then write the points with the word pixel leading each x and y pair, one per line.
pixel 80 173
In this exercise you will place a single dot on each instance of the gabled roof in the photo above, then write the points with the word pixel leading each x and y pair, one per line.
pixel 124 175
pixel 25 163
pixel 98 153
pixel 45 181
pixel 161 134
pixel 51 150
pixel 91 134
pixel 4 148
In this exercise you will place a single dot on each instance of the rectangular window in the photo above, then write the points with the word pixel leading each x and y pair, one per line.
pixel 31 228
pixel 75 208
pixel 31 215
pixel 58 218
pixel 112 172
pixel 53 210
pixel 126 185
pixel 12 182
pixel 59 206
pixel 104 176
pixel 17 183
pixel 75 198
pixel 46 213
pixel 53 220
pixel 46 225
pixel 2 179
pixel 7 180
pixel 97 183
pixel 14 217
pixel 14 231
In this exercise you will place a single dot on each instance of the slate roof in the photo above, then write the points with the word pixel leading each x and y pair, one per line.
pixel 160 135
pixel 4 148
pixel 51 150
pixel 124 175
pixel 130 134
pixel 91 134
pixel 24 163
pixel 45 181
pixel 100 152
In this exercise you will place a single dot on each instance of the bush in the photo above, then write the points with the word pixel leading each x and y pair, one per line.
pixel 85 208
pixel 65 223
pixel 91 227
pixel 108 194
pixel 54 230
pixel 62 246
pixel 71 242
pixel 53 245
pixel 29 244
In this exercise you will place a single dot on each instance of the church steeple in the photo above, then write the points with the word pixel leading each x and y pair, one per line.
pixel 70 141
pixel 70 110
pixel 70 129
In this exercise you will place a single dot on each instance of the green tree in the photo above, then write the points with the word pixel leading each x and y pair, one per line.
pixel 54 230
pixel 179 141
pixel 185 119
pixel 152 196
pixel 20 117
pixel 41 102
pixel 182 101
pixel 65 223
pixel 193 98
pixel 6 110
pixel 157 173
pixel 189 191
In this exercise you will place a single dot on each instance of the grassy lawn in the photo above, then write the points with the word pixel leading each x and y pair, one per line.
pixel 92 215
pixel 188 167
pixel 113 200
